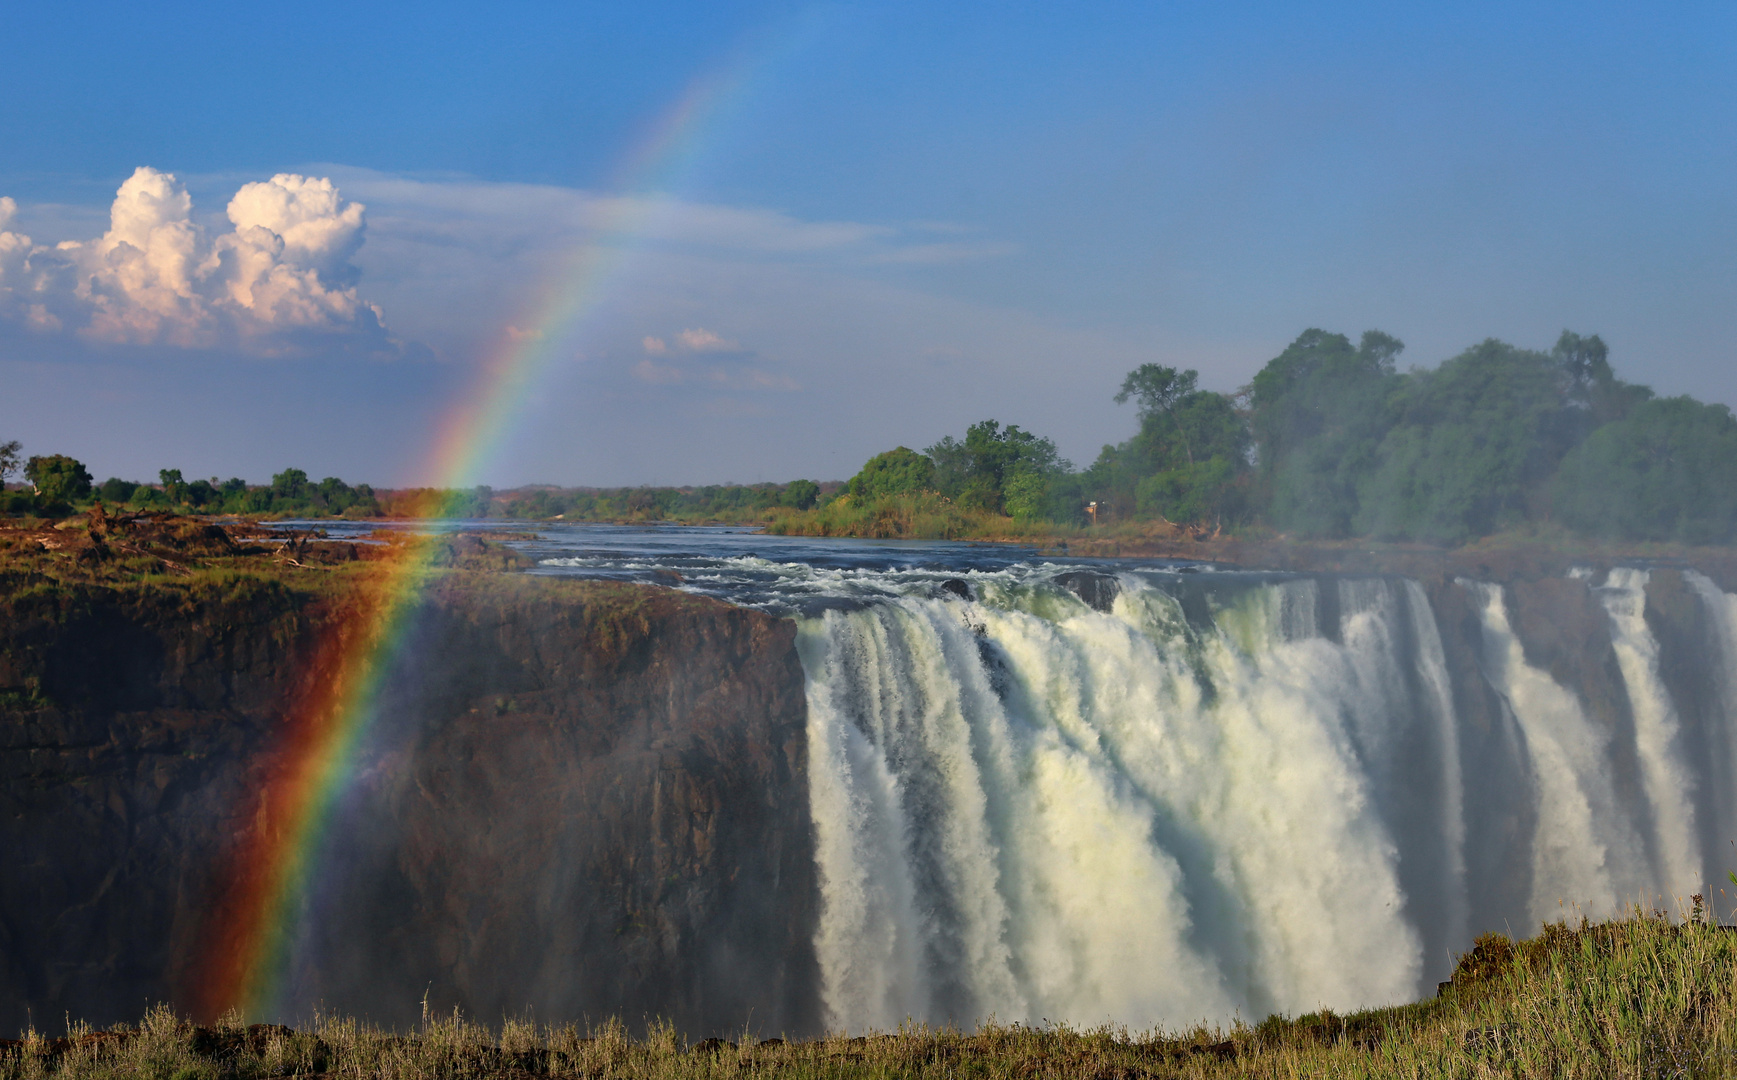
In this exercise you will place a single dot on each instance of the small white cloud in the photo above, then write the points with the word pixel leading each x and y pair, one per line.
pixel 8 207
pixel 704 341
pixel 155 276
pixel 654 345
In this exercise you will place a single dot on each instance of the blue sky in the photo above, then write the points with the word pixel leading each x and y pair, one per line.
pixel 905 219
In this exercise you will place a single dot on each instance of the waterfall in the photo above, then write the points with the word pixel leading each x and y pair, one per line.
pixel 1719 752
pixel 1026 807
pixel 1668 782
pixel 1201 800
pixel 1585 853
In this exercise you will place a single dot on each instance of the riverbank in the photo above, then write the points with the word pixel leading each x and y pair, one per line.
pixel 1640 996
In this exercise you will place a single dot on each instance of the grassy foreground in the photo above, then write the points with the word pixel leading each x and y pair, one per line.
pixel 1636 997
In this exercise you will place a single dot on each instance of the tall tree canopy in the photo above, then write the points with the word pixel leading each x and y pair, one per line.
pixel 1318 413
pixel 995 464
pixel 59 480
pixel 1666 471
pixel 1189 459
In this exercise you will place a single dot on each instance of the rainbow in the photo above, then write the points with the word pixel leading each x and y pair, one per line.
pixel 247 952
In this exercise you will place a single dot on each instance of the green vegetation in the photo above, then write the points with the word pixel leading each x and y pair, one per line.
pixel 1000 471
pixel 1641 996
pixel 899 471
pixel 707 504
pixel 292 494
pixel 61 485
pixel 60 481
pixel 1189 461
pixel 1666 471
pixel 1330 441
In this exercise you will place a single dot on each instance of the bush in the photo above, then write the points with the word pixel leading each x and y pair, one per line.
pixel 899 471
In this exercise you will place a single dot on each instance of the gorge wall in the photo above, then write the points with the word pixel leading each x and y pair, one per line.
pixel 579 800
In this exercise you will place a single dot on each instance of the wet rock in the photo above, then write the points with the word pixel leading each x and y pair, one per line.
pixel 1098 590
pixel 957 587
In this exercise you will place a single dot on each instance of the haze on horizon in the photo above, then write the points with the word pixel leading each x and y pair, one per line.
pixel 231 243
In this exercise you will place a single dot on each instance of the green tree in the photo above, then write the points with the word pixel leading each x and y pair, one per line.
pixel 1667 471
pixel 1590 384
pixel 800 494
pixel 116 491
pixel 976 472
pixel 1474 443
pixel 174 486
pixel 290 486
pixel 9 460
pixel 59 480
pixel 200 494
pixel 899 471
pixel 1188 462
pixel 1318 412
pixel 1159 390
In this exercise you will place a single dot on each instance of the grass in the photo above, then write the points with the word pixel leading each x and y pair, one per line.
pixel 1640 996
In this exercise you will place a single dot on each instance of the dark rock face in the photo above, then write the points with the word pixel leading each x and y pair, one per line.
pixel 956 587
pixel 1099 591
pixel 125 721
pixel 577 801
pixel 1493 764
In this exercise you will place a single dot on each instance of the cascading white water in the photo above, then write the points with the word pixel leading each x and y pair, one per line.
pixel 1176 809
pixel 1027 808
pixel 1668 781
pixel 1585 851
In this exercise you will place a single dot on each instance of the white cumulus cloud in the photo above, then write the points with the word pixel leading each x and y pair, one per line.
pixel 281 274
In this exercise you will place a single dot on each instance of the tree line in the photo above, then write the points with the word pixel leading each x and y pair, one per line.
pixel 58 485
pixel 1331 440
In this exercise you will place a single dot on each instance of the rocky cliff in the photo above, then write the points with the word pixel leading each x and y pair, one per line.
pixel 578 800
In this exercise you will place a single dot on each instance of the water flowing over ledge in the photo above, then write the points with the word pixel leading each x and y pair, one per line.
pixel 1236 795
